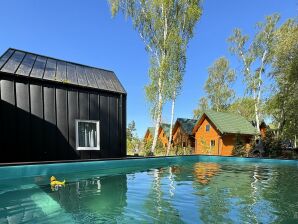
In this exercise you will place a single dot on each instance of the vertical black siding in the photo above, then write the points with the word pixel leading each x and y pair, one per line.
pixel 113 132
pixel 121 125
pixel 8 122
pixel 50 130
pixel 104 125
pixel 84 115
pixel 123 129
pixel 62 123
pixel 73 114
pixel 94 115
pixel 23 121
pixel 36 135
pixel 37 121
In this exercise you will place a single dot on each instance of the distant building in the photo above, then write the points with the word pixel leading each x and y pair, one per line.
pixel 263 129
pixel 163 134
pixel 182 132
pixel 216 133
pixel 53 110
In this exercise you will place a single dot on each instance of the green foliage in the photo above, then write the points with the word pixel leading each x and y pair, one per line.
pixel 131 129
pixel 132 139
pixel 218 84
pixel 272 145
pixel 203 106
pixel 256 57
pixel 206 148
pixel 217 87
pixel 165 28
pixel 160 150
pixel 178 150
pixel 239 148
pixel 244 107
pixel 283 106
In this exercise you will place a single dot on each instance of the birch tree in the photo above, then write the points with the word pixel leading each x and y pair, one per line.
pixel 202 106
pixel 160 24
pixel 174 84
pixel 244 107
pixel 256 57
pixel 218 84
pixel 283 105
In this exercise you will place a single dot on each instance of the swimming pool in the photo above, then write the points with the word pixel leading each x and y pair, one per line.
pixel 190 189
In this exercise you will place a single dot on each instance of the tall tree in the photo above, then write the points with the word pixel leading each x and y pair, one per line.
pixel 203 106
pixel 177 69
pixel 131 137
pixel 218 84
pixel 256 57
pixel 244 107
pixel 162 25
pixel 283 106
pixel 130 131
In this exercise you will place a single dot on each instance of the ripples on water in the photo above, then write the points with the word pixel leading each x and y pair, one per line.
pixel 200 192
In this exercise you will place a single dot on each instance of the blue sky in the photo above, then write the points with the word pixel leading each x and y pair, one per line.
pixel 84 32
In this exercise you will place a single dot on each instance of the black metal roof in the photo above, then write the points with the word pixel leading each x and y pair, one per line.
pixel 22 63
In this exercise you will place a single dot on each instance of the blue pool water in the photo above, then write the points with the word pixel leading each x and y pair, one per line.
pixel 193 189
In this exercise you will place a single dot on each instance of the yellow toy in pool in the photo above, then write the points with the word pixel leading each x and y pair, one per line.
pixel 55 184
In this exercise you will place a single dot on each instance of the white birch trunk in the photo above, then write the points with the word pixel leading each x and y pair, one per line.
pixel 258 94
pixel 257 113
pixel 172 121
pixel 158 117
pixel 160 85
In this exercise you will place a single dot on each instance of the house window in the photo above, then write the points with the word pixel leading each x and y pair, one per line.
pixel 207 127
pixel 183 144
pixel 87 135
pixel 212 143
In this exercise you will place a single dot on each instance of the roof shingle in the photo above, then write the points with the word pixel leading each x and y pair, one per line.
pixel 187 125
pixel 229 123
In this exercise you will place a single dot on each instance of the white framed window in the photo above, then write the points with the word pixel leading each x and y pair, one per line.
pixel 212 143
pixel 87 135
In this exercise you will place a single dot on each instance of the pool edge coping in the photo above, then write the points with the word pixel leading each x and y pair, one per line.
pixel 135 158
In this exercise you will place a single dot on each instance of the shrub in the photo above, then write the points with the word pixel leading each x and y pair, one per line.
pixel 272 145
pixel 239 148
pixel 159 150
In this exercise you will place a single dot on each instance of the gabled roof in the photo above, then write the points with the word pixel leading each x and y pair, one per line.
pixel 228 123
pixel 166 128
pixel 187 125
pixel 151 130
pixel 22 63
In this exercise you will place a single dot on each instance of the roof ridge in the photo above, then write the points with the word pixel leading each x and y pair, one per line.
pixel 71 62
pixel 186 118
pixel 227 112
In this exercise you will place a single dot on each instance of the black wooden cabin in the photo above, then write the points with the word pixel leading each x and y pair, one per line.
pixel 52 110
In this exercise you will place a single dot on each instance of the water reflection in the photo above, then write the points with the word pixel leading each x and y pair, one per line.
pixel 158 204
pixel 93 200
pixel 192 192
pixel 205 171
pixel 102 198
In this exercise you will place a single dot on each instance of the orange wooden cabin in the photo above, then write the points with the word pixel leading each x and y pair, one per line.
pixel 163 134
pixel 182 132
pixel 216 133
